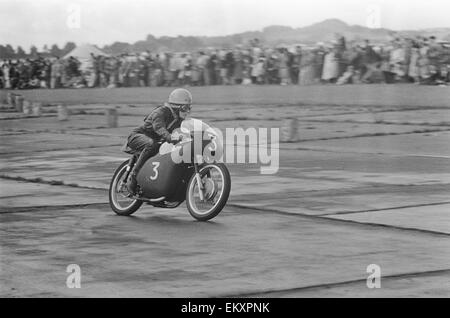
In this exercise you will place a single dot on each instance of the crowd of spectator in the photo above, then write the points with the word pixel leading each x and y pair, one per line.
pixel 40 73
pixel 419 60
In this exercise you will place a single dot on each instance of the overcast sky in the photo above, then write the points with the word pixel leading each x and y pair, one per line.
pixel 39 22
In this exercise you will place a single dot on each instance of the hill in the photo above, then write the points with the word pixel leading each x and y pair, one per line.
pixel 273 35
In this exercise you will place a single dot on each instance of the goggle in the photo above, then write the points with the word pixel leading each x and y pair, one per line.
pixel 185 108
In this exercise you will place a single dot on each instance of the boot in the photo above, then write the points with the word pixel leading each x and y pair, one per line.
pixel 132 184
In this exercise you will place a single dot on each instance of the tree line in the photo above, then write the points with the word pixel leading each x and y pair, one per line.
pixel 8 52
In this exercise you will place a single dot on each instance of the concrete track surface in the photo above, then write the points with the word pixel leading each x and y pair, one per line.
pixel 368 182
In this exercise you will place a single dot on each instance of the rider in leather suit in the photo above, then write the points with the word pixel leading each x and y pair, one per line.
pixel 157 126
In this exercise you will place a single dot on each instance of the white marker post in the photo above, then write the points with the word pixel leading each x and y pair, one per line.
pixel 27 107
pixel 19 103
pixel 63 113
pixel 290 130
pixel 112 117
pixel 10 99
pixel 37 109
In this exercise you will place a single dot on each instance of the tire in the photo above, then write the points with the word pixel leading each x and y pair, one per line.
pixel 113 194
pixel 223 198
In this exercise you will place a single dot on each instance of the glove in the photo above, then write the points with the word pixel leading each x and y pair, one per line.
pixel 175 138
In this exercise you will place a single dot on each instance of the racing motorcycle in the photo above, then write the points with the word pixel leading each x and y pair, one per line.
pixel 186 170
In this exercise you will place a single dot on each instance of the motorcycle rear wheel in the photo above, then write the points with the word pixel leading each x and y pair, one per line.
pixel 115 193
pixel 214 204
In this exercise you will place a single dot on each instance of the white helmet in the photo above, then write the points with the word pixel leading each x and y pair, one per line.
pixel 180 96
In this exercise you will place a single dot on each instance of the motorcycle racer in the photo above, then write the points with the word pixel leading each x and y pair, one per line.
pixel 158 126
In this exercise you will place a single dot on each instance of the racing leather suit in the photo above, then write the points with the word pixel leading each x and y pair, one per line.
pixel 157 126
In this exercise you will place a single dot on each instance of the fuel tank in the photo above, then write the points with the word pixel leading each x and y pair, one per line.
pixel 161 176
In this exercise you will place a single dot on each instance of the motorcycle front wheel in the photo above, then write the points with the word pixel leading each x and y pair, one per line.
pixel 119 199
pixel 217 185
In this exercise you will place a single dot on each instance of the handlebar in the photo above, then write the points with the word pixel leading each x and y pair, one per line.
pixel 175 140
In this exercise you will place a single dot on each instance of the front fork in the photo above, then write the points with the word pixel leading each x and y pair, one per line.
pixel 130 167
pixel 201 186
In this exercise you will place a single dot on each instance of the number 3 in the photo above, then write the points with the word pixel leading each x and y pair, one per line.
pixel 155 169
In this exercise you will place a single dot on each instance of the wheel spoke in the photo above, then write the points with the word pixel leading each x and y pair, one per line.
pixel 213 181
pixel 121 200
